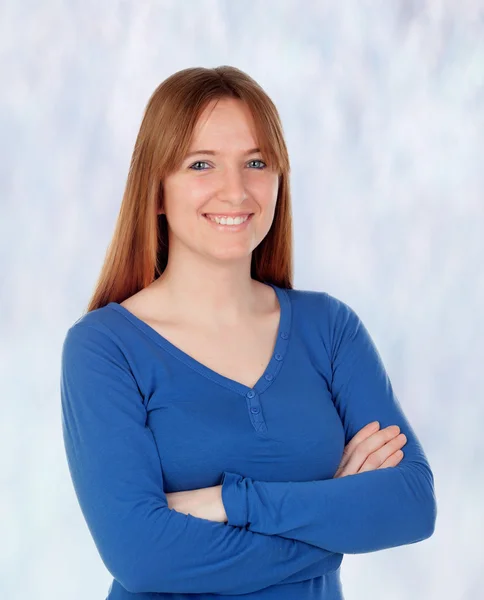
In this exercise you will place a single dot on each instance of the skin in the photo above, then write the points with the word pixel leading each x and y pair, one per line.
pixel 371 449
pixel 213 266
pixel 204 503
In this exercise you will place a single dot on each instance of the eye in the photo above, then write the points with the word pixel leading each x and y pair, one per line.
pixel 199 162
pixel 259 161
pixel 202 162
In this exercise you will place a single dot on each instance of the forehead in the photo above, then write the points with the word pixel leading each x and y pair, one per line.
pixel 226 121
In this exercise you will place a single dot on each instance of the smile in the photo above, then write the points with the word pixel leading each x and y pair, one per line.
pixel 229 227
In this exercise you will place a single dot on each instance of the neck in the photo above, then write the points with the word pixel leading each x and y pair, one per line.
pixel 221 296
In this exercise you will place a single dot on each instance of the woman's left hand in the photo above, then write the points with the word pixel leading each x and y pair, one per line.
pixel 204 503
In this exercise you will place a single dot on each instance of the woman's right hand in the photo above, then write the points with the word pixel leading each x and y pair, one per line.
pixel 371 449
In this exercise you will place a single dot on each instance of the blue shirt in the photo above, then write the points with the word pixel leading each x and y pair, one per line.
pixel 142 418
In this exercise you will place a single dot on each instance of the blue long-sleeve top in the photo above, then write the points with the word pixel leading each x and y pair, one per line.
pixel 142 418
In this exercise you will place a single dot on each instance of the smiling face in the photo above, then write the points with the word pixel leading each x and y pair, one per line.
pixel 223 174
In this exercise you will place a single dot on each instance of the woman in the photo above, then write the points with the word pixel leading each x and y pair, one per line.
pixel 225 433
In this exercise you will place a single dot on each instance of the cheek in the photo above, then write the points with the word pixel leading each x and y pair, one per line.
pixel 269 202
pixel 197 187
pixel 263 191
pixel 185 202
pixel 268 189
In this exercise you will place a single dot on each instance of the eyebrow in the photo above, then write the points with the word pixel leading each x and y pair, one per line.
pixel 212 152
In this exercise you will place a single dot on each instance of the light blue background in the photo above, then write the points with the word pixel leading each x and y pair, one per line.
pixel 382 104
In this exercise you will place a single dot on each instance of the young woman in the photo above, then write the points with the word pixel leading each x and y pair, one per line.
pixel 226 433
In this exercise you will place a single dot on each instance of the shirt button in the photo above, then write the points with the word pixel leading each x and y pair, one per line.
pixel 255 410
pixel 284 335
pixel 250 394
pixel 278 356
pixel 269 377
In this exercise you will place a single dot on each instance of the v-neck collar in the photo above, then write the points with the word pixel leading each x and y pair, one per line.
pixel 272 369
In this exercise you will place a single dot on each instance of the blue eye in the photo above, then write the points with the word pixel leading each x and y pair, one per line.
pixel 259 161
pixel 200 162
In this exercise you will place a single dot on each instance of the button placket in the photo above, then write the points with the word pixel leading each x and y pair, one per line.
pixel 253 396
pixel 255 411
pixel 277 356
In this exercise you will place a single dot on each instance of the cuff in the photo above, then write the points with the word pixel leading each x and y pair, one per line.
pixel 234 498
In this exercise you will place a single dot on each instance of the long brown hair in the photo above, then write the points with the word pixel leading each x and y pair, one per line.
pixel 138 251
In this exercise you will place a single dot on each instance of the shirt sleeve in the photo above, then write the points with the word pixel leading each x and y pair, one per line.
pixel 117 477
pixel 358 513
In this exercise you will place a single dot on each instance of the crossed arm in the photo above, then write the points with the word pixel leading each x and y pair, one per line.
pixel 371 448
pixel 362 512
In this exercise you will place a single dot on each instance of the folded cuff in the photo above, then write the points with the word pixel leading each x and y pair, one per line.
pixel 234 498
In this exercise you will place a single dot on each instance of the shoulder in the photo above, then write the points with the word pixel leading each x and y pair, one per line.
pixel 330 321
pixel 322 305
pixel 333 320
pixel 95 334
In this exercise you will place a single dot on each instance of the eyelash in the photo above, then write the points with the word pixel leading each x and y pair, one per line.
pixel 203 161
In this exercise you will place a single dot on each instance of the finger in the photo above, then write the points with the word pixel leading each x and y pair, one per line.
pixel 362 435
pixel 367 447
pixel 376 459
pixel 393 460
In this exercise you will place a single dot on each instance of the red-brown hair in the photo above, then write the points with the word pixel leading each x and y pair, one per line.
pixel 138 251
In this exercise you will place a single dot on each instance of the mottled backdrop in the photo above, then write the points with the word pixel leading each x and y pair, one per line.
pixel 382 104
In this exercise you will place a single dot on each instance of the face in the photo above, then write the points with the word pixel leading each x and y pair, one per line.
pixel 231 178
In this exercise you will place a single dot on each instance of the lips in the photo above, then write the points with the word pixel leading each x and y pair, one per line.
pixel 225 215
pixel 229 228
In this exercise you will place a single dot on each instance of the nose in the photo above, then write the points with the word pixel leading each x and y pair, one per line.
pixel 233 185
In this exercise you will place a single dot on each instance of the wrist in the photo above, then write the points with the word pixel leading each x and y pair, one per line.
pixel 203 503
pixel 209 504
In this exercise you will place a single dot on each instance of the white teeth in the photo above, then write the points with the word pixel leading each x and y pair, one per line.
pixel 228 220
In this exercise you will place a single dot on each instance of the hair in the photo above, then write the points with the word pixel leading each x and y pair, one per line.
pixel 138 251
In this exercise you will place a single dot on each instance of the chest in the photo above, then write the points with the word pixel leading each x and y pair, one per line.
pixel 241 354
pixel 201 427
